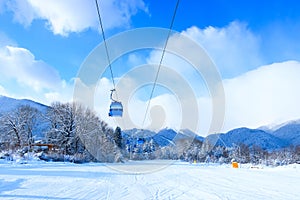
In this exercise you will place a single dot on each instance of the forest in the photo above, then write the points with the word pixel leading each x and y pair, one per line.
pixel 74 133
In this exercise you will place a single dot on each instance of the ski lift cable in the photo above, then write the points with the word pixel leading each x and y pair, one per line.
pixel 105 45
pixel 160 63
pixel 107 54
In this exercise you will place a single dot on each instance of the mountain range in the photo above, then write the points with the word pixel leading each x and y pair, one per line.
pixel 280 136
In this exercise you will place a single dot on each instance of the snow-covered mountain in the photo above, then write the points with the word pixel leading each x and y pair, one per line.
pixel 249 137
pixel 189 133
pixel 8 104
pixel 289 132
pixel 166 137
pixel 163 137
pixel 283 137
pixel 276 137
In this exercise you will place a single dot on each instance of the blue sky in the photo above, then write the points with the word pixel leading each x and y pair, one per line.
pixel 43 44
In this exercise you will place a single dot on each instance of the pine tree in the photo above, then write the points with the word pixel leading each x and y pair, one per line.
pixel 118 137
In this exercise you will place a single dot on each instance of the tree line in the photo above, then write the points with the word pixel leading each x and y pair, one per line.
pixel 204 152
pixel 77 134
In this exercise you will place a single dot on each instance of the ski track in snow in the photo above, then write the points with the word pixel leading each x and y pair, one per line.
pixel 180 180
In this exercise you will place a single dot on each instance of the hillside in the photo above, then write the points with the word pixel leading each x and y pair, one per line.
pixel 8 104
pixel 280 138
pixel 249 137
pixel 289 132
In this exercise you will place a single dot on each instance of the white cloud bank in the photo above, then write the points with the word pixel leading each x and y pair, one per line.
pixel 269 94
pixel 235 49
pixel 66 16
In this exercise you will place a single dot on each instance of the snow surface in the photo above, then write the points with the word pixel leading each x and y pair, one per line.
pixel 179 180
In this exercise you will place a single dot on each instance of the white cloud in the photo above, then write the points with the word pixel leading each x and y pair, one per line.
pixel 102 100
pixel 20 64
pixel 67 16
pixel 63 93
pixel 22 76
pixel 23 12
pixel 234 48
pixel 164 111
pixel 269 94
pixel 135 59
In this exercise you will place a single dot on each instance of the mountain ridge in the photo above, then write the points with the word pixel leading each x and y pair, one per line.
pixel 284 135
pixel 8 104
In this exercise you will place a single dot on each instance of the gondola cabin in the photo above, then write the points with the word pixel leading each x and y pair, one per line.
pixel 116 109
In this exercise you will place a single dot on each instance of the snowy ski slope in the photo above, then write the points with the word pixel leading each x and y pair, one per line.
pixel 39 180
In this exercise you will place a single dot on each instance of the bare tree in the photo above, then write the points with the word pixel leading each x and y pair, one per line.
pixel 62 128
pixel 18 126
pixel 29 116
pixel 78 131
